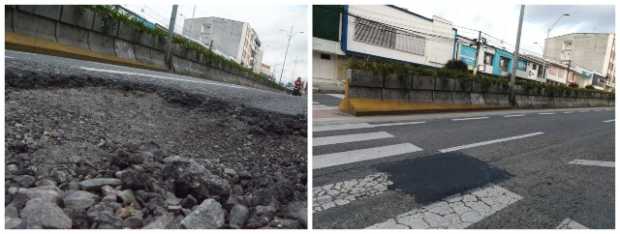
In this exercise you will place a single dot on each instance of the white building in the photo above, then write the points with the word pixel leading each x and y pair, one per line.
pixel 328 59
pixel 592 51
pixel 395 33
pixel 230 37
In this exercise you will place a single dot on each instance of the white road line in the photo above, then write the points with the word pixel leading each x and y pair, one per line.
pixel 463 119
pixel 330 140
pixel 583 111
pixel 161 77
pixel 359 126
pixel 324 107
pixel 340 127
pixel 339 96
pixel 9 57
pixel 597 110
pixel 546 113
pixel 456 211
pixel 396 124
pixel 609 121
pixel 595 163
pixel 509 116
pixel 489 142
pixel 568 112
pixel 344 192
pixel 335 159
pixel 568 223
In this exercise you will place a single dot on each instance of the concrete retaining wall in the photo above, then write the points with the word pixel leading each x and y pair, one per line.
pixel 459 92
pixel 82 28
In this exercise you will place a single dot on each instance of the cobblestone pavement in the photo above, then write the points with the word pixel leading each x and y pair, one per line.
pixel 342 193
pixel 457 211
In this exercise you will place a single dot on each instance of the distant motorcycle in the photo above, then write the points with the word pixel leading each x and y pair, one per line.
pixel 296 91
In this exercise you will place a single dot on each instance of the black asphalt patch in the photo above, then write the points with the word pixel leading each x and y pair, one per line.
pixel 434 177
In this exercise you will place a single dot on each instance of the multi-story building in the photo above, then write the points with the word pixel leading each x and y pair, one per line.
pixel 233 38
pixel 394 33
pixel 383 32
pixel 591 51
pixel 328 59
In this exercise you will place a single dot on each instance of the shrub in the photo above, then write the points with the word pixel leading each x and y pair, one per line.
pixel 589 87
pixel 456 65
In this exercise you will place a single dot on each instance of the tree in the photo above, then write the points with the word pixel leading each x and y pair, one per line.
pixel 456 65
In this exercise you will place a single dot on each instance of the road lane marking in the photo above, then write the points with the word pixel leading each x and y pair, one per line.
pixel 597 110
pixel 568 223
pixel 335 159
pixel 339 96
pixel 456 211
pixel 489 142
pixel 340 127
pixel 609 121
pixel 359 126
pixel 396 124
pixel 509 116
pixel 568 112
pixel 330 140
pixel 595 163
pixel 546 113
pixel 344 192
pixel 324 107
pixel 583 111
pixel 473 118
pixel 9 57
pixel 160 77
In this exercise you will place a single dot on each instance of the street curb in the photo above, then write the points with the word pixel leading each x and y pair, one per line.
pixel 16 41
pixel 364 106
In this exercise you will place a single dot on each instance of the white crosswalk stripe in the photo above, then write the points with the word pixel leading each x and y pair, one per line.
pixel 340 158
pixel 456 211
pixel 570 224
pixel 330 140
pixel 336 127
pixel 342 193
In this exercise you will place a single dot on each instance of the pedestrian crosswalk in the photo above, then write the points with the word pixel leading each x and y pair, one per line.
pixel 330 140
pixel 352 156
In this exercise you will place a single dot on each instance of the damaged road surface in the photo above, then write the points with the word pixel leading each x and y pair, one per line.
pixel 95 151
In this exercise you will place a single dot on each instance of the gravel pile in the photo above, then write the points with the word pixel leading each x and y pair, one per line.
pixel 90 154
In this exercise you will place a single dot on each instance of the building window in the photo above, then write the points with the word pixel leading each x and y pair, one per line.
pixel 326 56
pixel 522 65
pixel 567 45
pixel 383 35
pixel 503 64
pixel 488 58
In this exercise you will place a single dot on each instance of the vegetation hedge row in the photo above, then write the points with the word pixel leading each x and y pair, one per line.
pixel 387 67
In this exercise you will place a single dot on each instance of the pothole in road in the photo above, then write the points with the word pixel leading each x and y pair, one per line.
pixel 437 176
pixel 251 162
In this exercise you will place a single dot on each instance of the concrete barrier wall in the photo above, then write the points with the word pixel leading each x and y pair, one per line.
pixel 439 90
pixel 83 28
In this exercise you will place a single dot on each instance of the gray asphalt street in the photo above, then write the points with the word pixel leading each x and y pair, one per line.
pixel 535 169
pixel 261 99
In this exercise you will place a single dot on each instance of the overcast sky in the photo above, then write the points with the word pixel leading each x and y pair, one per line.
pixel 267 20
pixel 501 20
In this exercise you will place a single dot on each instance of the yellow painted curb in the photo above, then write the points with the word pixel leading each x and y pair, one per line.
pixel 364 106
pixel 16 41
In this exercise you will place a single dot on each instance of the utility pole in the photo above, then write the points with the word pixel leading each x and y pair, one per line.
pixel 173 18
pixel 477 52
pixel 288 44
pixel 515 57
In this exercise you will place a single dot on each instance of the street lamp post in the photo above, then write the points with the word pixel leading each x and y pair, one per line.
pixel 515 57
pixel 288 44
